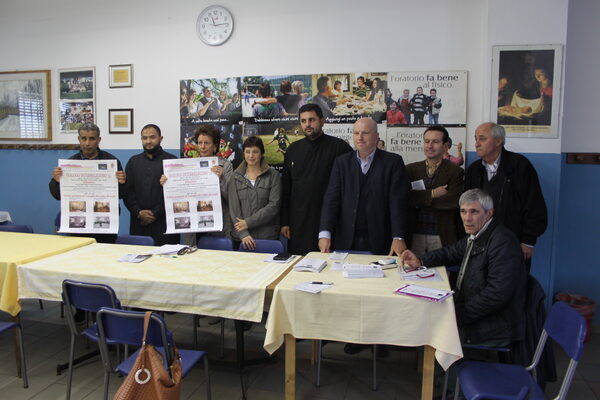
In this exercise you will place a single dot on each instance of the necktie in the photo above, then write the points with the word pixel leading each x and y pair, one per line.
pixel 463 264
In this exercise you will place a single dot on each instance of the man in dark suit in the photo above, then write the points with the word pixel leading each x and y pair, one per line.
pixel 365 204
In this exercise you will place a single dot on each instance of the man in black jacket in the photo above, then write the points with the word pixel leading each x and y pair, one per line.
pixel 513 183
pixel 490 290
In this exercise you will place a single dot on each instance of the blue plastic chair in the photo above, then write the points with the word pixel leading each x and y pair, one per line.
pixel 480 380
pixel 5 326
pixel 135 239
pixel 265 246
pixel 215 243
pixel 88 297
pixel 127 327
pixel 16 228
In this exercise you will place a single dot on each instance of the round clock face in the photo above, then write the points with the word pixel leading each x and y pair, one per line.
pixel 214 25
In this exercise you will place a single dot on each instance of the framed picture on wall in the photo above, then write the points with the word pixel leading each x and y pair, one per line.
pixel 120 76
pixel 120 120
pixel 76 93
pixel 25 105
pixel 526 89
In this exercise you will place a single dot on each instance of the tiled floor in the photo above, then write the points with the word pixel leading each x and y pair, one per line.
pixel 343 376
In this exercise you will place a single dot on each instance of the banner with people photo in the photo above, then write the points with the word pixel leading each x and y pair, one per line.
pixel 267 106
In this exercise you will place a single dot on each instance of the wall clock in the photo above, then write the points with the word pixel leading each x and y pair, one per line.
pixel 214 25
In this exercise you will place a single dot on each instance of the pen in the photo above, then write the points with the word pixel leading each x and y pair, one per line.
pixel 322 283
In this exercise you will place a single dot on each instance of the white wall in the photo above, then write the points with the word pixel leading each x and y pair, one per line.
pixel 270 37
pixel 582 86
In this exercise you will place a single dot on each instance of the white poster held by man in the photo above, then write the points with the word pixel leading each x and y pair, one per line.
pixel 192 195
pixel 89 196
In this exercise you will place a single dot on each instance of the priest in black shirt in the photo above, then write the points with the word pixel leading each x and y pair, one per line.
pixel 306 170
pixel 143 193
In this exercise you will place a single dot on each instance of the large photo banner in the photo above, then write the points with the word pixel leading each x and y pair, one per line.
pixel 268 107
pixel 89 194
pixel 408 142
pixel 192 195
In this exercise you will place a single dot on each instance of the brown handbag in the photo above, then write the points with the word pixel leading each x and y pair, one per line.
pixel 148 379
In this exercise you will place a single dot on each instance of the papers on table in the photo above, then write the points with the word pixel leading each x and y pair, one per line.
pixel 422 292
pixel 338 255
pixel 310 265
pixel 166 249
pixel 134 258
pixel 419 274
pixel 192 195
pixel 338 266
pixel 357 271
pixel 89 196
pixel 311 287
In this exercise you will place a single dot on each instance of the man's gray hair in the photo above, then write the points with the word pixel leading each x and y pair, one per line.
pixel 89 126
pixel 477 195
pixel 498 132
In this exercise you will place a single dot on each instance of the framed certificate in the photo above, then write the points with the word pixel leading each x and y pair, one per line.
pixel 120 76
pixel 120 120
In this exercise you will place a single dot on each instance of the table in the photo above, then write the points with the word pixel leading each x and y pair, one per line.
pixel 19 248
pixel 223 284
pixel 362 311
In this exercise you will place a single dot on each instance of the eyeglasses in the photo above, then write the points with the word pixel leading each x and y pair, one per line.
pixel 187 250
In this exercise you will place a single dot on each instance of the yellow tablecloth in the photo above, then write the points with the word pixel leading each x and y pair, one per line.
pixel 217 283
pixel 363 311
pixel 19 248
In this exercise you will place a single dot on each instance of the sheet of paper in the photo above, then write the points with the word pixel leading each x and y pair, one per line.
pixel 134 258
pixel 89 196
pixel 311 287
pixel 339 256
pixel 192 195
pixel 426 293
pixel 337 266
pixel 166 249
pixel 412 276
pixel 418 185
pixel 358 271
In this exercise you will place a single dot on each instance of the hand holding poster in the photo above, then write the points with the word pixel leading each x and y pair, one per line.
pixel 89 196
pixel 192 195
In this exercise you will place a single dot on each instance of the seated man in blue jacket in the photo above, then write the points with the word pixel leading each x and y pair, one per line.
pixel 490 289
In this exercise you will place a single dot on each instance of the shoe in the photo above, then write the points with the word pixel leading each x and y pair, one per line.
pixel 353 348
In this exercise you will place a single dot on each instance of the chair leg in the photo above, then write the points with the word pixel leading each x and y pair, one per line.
pixel 195 323
pixel 62 310
pixel 71 357
pixel 445 388
pixel 222 338
pixel 23 362
pixel 374 367
pixel 319 345
pixel 41 305
pixel 207 375
pixel 106 379
pixel 456 389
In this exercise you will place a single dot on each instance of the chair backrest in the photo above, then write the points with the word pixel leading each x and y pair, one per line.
pixel 135 239
pixel 57 221
pixel 567 327
pixel 16 228
pixel 88 296
pixel 265 246
pixel 215 243
pixel 127 327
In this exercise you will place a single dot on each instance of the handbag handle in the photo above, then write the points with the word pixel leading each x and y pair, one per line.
pixel 147 316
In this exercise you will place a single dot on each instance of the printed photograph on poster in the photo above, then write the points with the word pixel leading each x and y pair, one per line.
pixel 426 98
pixel 214 100
pixel 192 195
pixel 276 138
pixel 89 196
pixel 230 144
pixel 408 142
pixel 526 84
pixel 274 98
pixel 346 97
pixel 77 98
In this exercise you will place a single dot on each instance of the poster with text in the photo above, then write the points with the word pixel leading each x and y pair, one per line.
pixel 89 196
pixel 408 142
pixel 77 98
pixel 192 195
pixel 274 99
pixel 526 84
pixel 345 132
pixel 427 98
pixel 214 100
